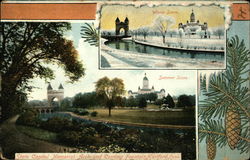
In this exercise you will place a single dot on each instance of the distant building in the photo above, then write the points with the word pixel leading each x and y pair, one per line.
pixel 145 89
pixel 192 26
pixel 52 94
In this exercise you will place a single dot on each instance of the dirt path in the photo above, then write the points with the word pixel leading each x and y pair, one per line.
pixel 12 141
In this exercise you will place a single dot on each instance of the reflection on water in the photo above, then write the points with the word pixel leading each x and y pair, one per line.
pixel 140 48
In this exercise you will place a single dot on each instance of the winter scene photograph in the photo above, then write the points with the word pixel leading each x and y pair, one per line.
pixel 162 37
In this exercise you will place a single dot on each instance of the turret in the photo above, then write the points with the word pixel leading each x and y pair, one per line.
pixel 145 82
pixel 117 20
pixel 192 16
pixel 49 87
pixel 126 20
pixel 60 87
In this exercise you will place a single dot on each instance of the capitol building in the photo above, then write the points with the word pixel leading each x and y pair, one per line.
pixel 193 26
pixel 146 90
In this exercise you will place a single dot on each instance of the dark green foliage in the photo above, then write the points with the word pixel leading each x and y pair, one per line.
pixel 227 91
pixel 29 118
pixel 57 124
pixel 158 102
pixel 131 102
pixel 85 100
pixel 71 138
pixel 90 34
pixel 66 103
pixel 93 114
pixel 169 101
pixel 186 101
pixel 25 47
pixel 142 102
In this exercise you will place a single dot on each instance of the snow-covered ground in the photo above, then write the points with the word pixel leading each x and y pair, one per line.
pixel 121 59
pixel 186 42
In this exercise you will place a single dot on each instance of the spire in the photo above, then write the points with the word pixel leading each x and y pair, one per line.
pixel 117 20
pixel 49 87
pixel 145 78
pixel 60 87
pixel 192 16
pixel 126 19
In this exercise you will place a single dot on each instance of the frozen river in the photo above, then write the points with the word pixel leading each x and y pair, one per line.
pixel 128 45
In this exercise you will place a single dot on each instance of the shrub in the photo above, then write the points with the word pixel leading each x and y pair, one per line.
pixel 81 111
pixel 70 137
pixel 87 140
pixel 101 128
pixel 111 149
pixel 57 124
pixel 93 114
pixel 89 131
pixel 29 118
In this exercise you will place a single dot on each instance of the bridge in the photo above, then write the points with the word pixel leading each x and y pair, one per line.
pixel 114 37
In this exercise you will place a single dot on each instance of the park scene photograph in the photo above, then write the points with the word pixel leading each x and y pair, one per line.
pixel 162 37
pixel 55 99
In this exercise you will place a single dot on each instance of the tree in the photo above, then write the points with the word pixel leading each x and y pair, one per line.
pixel 85 100
pixel 131 102
pixel 66 103
pixel 162 24
pixel 144 31
pixel 169 101
pixel 109 90
pixel 186 101
pixel 219 32
pixel 142 102
pixel 172 33
pixel 27 48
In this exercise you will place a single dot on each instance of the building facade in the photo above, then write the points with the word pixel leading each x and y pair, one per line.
pixel 146 89
pixel 192 27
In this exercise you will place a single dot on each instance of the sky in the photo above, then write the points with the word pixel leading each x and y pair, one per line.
pixel 145 15
pixel 175 82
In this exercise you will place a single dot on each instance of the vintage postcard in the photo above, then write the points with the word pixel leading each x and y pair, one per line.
pixel 124 80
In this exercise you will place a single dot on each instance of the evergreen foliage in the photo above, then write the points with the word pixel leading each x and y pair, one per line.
pixel 224 113
pixel 90 34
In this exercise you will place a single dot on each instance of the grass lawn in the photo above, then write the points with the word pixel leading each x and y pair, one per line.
pixel 38 133
pixel 147 117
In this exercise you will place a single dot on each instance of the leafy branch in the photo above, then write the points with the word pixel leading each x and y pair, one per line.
pixel 227 97
pixel 90 34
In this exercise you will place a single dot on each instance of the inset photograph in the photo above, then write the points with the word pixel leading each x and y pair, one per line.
pixel 162 37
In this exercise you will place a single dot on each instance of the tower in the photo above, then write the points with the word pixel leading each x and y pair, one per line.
pixel 119 25
pixel 54 94
pixel 192 17
pixel 145 82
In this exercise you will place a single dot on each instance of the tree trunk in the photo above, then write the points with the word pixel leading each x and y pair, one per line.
pixel 109 111
pixel 163 37
pixel 9 99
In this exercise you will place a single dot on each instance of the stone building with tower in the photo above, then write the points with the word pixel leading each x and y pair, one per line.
pixel 121 25
pixel 193 26
pixel 145 89
pixel 54 94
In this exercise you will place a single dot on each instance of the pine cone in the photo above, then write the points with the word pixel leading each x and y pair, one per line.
pixel 211 148
pixel 232 128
